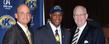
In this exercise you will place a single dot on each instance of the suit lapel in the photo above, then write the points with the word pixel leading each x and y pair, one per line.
pixel 84 33
pixel 62 35
pixel 22 33
pixel 32 37
pixel 73 31
pixel 50 34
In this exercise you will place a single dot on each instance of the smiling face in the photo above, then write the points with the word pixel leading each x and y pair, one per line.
pixel 56 18
pixel 23 14
pixel 80 15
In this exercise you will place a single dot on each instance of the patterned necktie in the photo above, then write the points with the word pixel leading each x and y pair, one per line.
pixel 75 37
pixel 57 37
pixel 28 36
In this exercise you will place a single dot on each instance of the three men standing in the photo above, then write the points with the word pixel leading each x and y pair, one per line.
pixel 53 32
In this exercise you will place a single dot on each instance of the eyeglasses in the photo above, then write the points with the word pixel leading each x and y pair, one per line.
pixel 23 13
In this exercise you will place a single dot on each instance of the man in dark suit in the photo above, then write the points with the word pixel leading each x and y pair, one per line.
pixel 86 32
pixel 52 32
pixel 19 33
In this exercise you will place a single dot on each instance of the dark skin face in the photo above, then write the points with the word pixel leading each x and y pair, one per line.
pixel 56 18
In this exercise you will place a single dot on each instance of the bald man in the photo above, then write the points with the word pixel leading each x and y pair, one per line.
pixel 19 33
pixel 85 32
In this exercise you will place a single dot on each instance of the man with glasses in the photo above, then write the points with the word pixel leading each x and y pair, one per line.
pixel 85 32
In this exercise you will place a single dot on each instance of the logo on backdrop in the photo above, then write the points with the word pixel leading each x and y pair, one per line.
pixel 31 4
pixel 7 21
pixel 7 4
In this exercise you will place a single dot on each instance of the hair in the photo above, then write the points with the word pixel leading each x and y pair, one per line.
pixel 20 6
pixel 80 6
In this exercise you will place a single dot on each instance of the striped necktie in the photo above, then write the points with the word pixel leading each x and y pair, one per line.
pixel 75 37
pixel 57 37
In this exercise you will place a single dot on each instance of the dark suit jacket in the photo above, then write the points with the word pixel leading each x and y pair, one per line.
pixel 91 34
pixel 44 35
pixel 15 35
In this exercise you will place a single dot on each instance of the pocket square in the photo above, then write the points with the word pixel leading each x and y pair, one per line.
pixel 86 41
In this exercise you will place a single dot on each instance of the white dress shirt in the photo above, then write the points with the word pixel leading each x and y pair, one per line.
pixel 81 30
pixel 54 29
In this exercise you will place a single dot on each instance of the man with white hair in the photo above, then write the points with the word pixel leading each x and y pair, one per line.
pixel 85 32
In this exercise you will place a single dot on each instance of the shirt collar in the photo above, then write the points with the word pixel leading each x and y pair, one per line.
pixel 82 27
pixel 54 27
pixel 23 27
pixel 21 24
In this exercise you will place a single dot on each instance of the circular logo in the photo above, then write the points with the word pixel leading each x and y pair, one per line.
pixel 7 21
